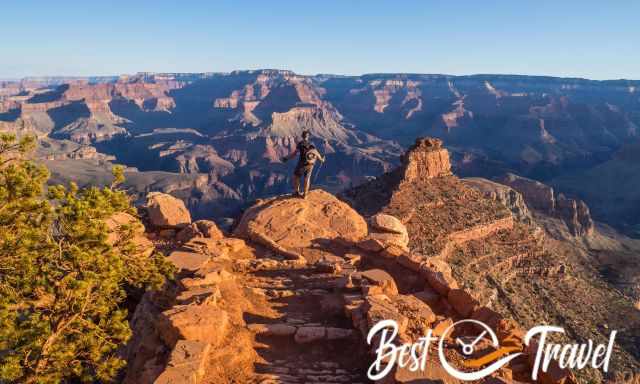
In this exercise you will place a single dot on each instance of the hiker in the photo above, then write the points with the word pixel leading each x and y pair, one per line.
pixel 308 156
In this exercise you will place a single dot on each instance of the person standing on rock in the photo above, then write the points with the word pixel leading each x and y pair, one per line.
pixel 308 157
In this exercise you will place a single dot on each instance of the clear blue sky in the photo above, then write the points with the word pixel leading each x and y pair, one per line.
pixel 582 38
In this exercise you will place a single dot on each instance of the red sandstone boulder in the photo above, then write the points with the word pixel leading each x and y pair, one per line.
pixel 487 316
pixel 186 364
pixel 299 228
pixel 387 223
pixel 381 279
pixel 202 295
pixel 386 238
pixel 167 211
pixel 438 276
pixel 380 307
pixel 188 261
pixel 193 322
pixel 209 229
pixel 418 312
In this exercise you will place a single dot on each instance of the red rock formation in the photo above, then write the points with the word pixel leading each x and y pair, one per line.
pixel 575 213
pixel 426 159
pixel 537 195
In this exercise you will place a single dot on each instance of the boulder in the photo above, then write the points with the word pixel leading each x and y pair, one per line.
pixel 120 221
pixel 400 240
pixel 193 322
pixel 387 223
pixel 167 211
pixel 411 261
pixel 209 229
pixel 216 248
pixel 329 264
pixel 507 329
pixel 441 325
pixel 438 276
pixel 380 278
pixel 306 228
pixel 188 261
pixel 186 364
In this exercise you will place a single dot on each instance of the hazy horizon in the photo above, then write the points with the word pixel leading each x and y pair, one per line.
pixel 53 76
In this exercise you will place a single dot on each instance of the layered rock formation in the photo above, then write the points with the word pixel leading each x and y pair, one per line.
pixel 575 213
pixel 235 126
pixel 508 196
pixel 426 159
pixel 462 237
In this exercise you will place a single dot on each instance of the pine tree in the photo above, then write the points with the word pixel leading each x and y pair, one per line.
pixel 62 283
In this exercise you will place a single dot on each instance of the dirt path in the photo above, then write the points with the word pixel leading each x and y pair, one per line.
pixel 307 300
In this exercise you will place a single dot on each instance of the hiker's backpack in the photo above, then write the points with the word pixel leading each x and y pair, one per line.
pixel 308 153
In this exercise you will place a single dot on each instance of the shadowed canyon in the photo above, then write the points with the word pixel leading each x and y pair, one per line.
pixel 215 139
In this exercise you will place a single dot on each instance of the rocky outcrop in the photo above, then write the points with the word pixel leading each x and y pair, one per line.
pixel 575 213
pixel 538 196
pixel 386 230
pixel 505 195
pixel 188 320
pixel 426 159
pixel 299 228
pixel 164 211
pixel 186 363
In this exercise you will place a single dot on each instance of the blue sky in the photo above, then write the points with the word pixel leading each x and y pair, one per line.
pixel 592 39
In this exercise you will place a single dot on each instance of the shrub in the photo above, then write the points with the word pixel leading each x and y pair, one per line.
pixel 62 284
